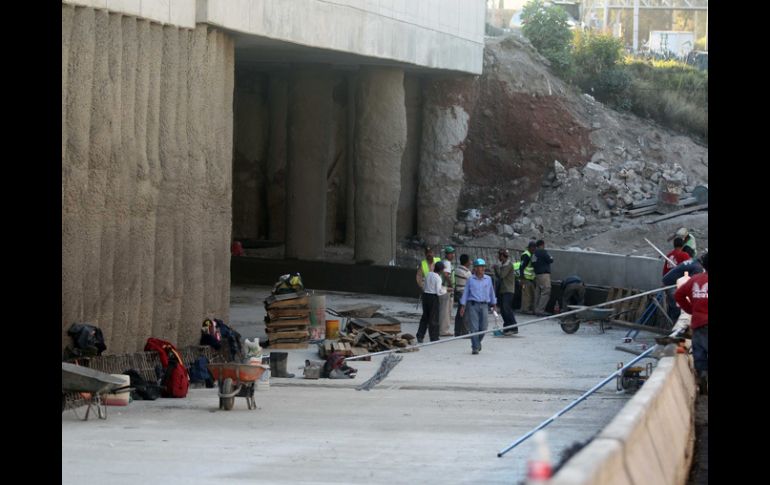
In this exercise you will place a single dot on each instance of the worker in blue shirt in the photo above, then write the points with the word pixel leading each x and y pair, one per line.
pixel 478 297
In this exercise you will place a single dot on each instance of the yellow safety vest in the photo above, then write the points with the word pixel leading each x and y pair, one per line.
pixel 529 270
pixel 426 268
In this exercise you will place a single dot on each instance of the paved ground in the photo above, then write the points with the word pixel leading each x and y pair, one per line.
pixel 440 416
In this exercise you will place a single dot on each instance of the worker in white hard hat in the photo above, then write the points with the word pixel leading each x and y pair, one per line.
pixel 479 296
pixel 689 239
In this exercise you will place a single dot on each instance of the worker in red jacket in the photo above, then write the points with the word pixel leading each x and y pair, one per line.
pixel 693 298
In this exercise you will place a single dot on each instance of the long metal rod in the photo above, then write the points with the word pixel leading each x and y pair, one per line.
pixel 578 400
pixel 670 261
pixel 516 325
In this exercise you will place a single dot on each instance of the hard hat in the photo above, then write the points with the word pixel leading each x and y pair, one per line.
pixel 449 249
pixel 479 262
pixel 682 232
pixel 503 251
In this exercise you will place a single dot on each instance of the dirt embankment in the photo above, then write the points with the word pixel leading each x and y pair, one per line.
pixel 543 160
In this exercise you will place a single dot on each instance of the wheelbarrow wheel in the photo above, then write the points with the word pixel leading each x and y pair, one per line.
pixel 570 327
pixel 227 388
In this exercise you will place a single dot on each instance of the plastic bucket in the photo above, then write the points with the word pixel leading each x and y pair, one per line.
pixel 317 317
pixel 332 329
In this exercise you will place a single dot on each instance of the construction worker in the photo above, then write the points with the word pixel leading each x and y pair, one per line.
pixel 527 278
pixel 479 296
pixel 677 255
pixel 431 291
pixel 693 297
pixel 687 238
pixel 462 272
pixel 573 292
pixel 692 267
pixel 541 261
pixel 426 266
pixel 445 300
pixel 506 276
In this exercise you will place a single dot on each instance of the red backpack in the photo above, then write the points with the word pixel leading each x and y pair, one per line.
pixel 176 379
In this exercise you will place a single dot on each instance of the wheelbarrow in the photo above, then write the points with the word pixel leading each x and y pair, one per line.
pixel 236 380
pixel 91 383
pixel 571 323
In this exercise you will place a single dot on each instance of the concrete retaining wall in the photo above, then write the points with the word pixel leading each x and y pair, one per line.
pixel 604 269
pixel 146 176
pixel 650 441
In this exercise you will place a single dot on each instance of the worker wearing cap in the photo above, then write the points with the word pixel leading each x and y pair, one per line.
pixel 506 277
pixel 478 298
pixel 689 240
pixel 426 266
pixel 527 278
pixel 445 300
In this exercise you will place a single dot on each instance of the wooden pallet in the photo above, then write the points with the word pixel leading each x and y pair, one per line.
pixel 288 313
pixel 343 348
pixel 301 302
pixel 280 346
pixel 297 334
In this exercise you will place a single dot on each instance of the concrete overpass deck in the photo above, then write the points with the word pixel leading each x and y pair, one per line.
pixel 439 417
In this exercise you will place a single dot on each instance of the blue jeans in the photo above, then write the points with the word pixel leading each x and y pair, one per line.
pixel 700 348
pixel 477 322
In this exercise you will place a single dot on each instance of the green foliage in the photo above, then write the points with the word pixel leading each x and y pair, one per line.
pixel 598 68
pixel 547 28
pixel 672 93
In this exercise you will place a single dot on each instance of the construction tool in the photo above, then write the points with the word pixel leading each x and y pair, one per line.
pixel 387 365
pixel 618 373
pixel 670 261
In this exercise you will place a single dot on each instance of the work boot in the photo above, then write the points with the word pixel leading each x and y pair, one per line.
pixel 278 361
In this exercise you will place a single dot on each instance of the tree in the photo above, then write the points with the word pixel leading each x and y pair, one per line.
pixel 547 28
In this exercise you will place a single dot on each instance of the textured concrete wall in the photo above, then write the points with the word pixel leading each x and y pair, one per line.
pixel 309 122
pixel 406 222
pixel 146 176
pixel 649 441
pixel 444 128
pixel 336 200
pixel 179 13
pixel 379 144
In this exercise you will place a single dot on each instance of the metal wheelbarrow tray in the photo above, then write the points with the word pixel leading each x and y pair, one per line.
pixel 236 380
pixel 571 323
pixel 76 378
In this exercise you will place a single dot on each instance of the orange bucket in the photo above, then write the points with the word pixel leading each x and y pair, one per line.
pixel 332 329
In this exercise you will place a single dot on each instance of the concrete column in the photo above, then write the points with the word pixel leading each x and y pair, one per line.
pixel 350 213
pixel 196 182
pixel 407 202
pixel 75 166
pixel 276 156
pixel 310 104
pixel 107 283
pixel 379 145
pixel 126 272
pixel 444 128
pixel 98 159
pixel 184 322
pixel 163 320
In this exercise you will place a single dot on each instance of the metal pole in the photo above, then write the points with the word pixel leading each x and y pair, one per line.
pixel 670 261
pixel 536 320
pixel 576 402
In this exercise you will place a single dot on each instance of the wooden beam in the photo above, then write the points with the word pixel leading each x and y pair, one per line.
pixel 671 215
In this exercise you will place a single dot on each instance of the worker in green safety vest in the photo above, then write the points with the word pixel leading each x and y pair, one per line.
pixel 689 239
pixel 527 277
pixel 426 266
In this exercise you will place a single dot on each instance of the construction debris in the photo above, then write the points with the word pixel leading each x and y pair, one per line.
pixel 365 335
pixel 361 310
pixel 287 320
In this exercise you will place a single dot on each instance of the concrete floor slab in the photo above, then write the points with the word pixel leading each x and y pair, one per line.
pixel 440 416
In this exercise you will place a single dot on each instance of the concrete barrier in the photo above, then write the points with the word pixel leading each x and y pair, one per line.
pixel 650 441
pixel 605 269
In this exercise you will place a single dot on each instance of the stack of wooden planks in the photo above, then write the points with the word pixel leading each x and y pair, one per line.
pixel 287 320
